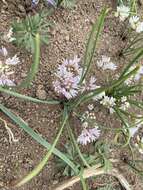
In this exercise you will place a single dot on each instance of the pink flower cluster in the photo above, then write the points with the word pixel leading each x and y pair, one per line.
pixel 88 135
pixel 5 67
pixel 68 78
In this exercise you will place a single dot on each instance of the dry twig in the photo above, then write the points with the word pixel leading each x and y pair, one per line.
pixel 94 171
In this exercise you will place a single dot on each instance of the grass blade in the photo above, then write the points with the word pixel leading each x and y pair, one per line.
pixel 132 63
pixel 41 165
pixel 34 68
pixel 86 97
pixel 138 104
pixel 121 117
pixel 37 137
pixel 28 98
pixel 92 43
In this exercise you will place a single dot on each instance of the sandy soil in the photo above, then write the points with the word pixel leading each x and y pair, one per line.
pixel 68 38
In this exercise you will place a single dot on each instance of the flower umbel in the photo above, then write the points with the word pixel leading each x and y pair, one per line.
pixel 124 103
pixel 88 135
pixel 108 102
pixel 68 78
pixel 105 63
pixel 122 12
pixel 134 22
pixel 5 67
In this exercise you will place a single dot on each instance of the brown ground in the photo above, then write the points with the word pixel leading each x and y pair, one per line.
pixel 68 38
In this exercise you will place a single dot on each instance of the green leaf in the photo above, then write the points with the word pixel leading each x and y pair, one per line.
pixel 86 97
pixel 38 138
pixel 135 59
pixel 24 31
pixel 34 68
pixel 44 161
pixel 119 114
pixel 28 98
pixel 122 79
pixel 92 43
pixel 136 103
pixel 129 114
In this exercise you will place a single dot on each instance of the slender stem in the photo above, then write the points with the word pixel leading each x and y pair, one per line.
pixel 85 187
pixel 77 147
pixel 35 66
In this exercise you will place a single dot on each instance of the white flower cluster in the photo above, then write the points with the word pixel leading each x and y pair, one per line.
pixel 5 67
pixel 108 102
pixel 105 63
pixel 124 103
pixel 136 24
pixel 123 12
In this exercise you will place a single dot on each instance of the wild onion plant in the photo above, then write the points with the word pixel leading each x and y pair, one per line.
pixel 73 89
pixel 24 32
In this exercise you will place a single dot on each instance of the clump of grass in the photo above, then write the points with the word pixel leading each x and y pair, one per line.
pixel 25 31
